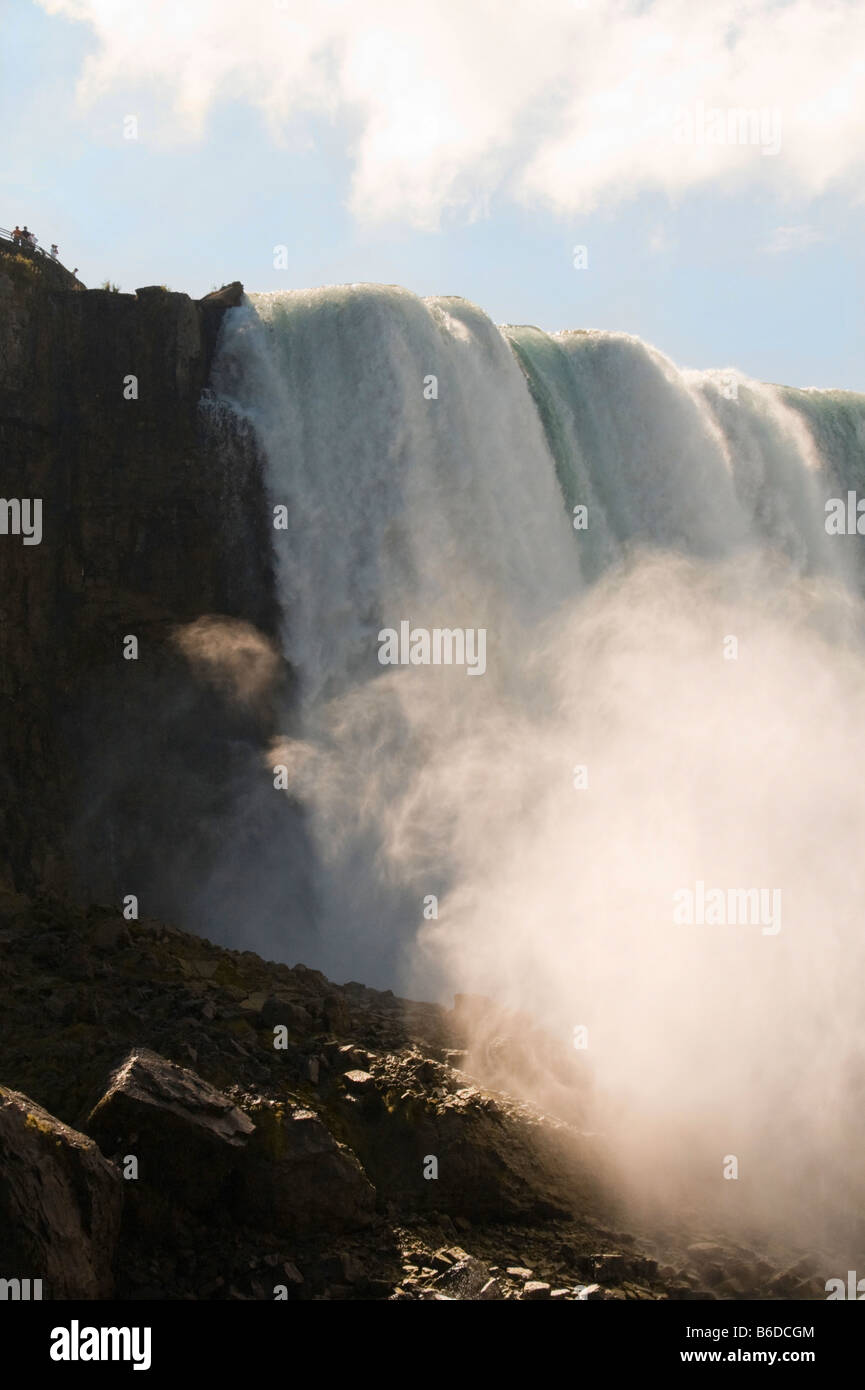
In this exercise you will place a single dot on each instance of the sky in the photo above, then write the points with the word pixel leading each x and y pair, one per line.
pixel 464 147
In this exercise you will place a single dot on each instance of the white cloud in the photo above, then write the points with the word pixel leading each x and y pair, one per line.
pixel 556 102
pixel 785 239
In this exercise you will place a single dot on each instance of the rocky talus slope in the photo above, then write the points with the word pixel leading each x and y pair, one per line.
pixel 182 1121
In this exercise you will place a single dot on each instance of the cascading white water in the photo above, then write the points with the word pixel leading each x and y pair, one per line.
pixel 610 648
pixel 402 506
pixel 396 501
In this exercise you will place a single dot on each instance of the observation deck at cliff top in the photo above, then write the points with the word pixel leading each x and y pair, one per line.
pixel 56 274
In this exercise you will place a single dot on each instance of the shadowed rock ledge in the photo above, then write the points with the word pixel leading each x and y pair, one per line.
pixel 270 1135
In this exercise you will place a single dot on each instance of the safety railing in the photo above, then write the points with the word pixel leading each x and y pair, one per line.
pixel 62 278
pixel 24 245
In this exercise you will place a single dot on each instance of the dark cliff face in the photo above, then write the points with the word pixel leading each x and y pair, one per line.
pixel 119 776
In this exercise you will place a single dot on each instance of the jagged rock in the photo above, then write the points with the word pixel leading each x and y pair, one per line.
pixel 298 1178
pixel 465 1279
pixel 497 1158
pixel 534 1289
pixel 359 1080
pixel 228 297
pixel 428 1073
pixel 491 1289
pixel 608 1267
pixel 60 1203
pixel 185 1134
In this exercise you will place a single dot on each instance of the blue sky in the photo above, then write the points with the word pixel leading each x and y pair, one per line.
pixel 757 263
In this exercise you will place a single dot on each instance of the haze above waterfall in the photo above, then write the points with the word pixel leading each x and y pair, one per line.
pixel 609 650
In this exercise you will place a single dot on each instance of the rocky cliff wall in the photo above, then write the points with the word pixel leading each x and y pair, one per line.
pixel 119 776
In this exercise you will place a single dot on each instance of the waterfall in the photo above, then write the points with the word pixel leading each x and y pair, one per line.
pixel 445 507
pixel 414 468
pixel 672 696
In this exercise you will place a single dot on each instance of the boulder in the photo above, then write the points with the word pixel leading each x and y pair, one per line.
pixel 358 1080
pixel 535 1289
pixel 466 1279
pixel 498 1159
pixel 277 1011
pixel 60 1203
pixel 186 1135
pixel 298 1179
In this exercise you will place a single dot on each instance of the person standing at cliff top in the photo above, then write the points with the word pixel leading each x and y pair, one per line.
pixel 54 252
pixel 17 234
